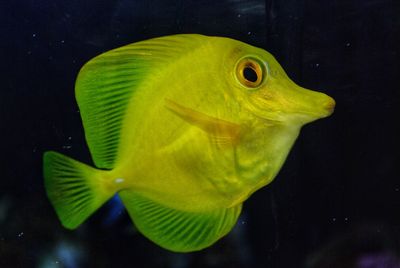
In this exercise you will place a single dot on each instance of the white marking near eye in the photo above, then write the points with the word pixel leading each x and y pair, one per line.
pixel 119 180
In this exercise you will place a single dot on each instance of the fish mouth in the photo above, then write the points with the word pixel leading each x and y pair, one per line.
pixel 330 106
pixel 327 107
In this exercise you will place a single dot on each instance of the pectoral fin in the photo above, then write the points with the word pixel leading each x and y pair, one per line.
pixel 221 131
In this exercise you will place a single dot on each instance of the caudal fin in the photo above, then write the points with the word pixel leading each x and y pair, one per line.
pixel 75 190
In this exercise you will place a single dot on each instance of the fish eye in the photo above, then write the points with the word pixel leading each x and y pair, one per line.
pixel 249 72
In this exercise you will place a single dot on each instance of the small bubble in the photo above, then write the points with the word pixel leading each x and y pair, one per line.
pixel 333 219
pixel 346 219
pixel 33 35
pixel 248 33
pixel 62 41
pixel 69 138
pixel 66 146
pixel 21 234
pixel 347 44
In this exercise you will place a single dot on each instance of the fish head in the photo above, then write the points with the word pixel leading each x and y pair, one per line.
pixel 262 87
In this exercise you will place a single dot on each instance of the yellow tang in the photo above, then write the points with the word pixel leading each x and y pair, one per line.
pixel 184 128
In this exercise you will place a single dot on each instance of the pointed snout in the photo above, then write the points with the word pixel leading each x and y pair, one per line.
pixel 312 105
pixel 328 105
pixel 285 101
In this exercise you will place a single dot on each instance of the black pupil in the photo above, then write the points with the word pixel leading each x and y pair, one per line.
pixel 250 74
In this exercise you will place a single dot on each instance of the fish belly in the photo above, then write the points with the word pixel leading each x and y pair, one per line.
pixel 189 174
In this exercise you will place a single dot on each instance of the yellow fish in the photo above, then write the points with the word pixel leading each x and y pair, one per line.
pixel 184 129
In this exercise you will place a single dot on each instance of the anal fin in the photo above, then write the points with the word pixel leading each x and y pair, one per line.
pixel 177 230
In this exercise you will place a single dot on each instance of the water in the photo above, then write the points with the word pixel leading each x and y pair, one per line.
pixel 337 192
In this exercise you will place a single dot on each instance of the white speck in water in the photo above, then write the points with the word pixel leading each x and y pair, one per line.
pixel 67 147
pixel 248 33
pixel 333 219
pixel 69 138
pixel 239 15
pixel 243 222
pixel 21 234
pixel 119 180
pixel 317 65
pixel 346 219
pixel 62 41
pixel 396 189
pixel 347 44
pixel 33 35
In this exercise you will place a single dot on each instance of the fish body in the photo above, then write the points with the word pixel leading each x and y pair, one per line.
pixel 184 129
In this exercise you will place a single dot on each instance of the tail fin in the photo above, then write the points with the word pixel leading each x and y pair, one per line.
pixel 75 190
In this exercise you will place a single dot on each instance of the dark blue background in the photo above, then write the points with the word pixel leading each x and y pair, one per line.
pixel 336 200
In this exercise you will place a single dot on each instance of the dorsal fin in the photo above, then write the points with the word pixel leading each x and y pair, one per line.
pixel 106 85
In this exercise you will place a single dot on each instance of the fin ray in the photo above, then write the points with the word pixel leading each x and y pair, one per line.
pixel 73 188
pixel 176 230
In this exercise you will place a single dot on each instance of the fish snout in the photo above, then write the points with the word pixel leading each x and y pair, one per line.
pixel 312 105
pixel 329 105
